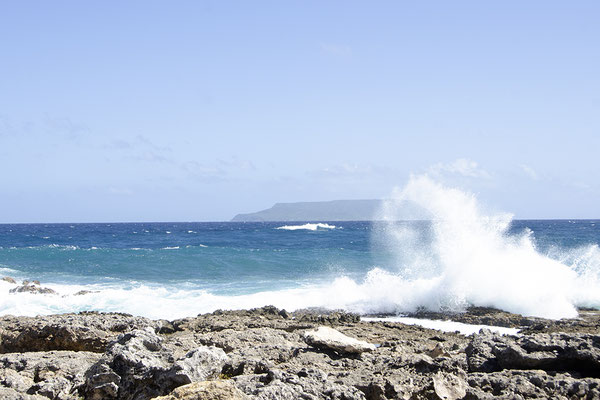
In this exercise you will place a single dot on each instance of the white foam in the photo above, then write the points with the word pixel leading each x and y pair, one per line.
pixel 308 227
pixel 466 258
pixel 447 326
pixel 59 246
pixel 170 248
pixel 471 259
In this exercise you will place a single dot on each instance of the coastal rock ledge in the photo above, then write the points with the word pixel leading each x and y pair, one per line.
pixel 268 353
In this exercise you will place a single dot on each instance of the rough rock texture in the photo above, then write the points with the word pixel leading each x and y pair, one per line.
pixel 206 390
pixel 138 366
pixel 262 354
pixel 328 338
pixel 550 352
pixel 77 332
pixel 52 374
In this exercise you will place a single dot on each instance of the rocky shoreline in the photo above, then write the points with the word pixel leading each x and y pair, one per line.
pixel 268 353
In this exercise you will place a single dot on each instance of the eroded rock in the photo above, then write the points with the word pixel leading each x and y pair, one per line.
pixel 76 332
pixel 578 353
pixel 206 390
pixel 329 338
pixel 32 287
pixel 138 366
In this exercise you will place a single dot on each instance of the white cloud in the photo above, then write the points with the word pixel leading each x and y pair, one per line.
pixel 530 172
pixel 349 170
pixel 461 166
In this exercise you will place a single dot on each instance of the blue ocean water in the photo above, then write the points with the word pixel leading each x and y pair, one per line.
pixel 172 270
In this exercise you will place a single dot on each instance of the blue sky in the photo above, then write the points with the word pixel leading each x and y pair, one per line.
pixel 195 111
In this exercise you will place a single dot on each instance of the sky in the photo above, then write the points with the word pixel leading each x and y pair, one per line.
pixel 198 110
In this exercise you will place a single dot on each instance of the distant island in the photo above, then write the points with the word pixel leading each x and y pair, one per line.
pixel 336 210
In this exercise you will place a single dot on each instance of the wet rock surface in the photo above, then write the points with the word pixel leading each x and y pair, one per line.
pixel 29 287
pixel 265 354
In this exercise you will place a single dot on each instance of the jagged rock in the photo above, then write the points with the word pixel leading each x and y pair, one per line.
pixel 323 316
pixel 206 390
pixel 9 280
pixel 550 352
pixel 329 338
pixel 267 357
pixel 11 394
pixel 449 386
pixel 137 366
pixel 10 378
pixel 84 292
pixel 77 332
pixel 534 384
pixel 32 287
pixel 54 374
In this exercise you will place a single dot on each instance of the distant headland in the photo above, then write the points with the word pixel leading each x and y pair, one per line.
pixel 336 210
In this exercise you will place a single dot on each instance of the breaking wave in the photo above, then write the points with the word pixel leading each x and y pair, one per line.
pixel 308 227
pixel 451 254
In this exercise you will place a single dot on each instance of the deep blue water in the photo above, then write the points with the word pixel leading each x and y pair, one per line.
pixel 227 259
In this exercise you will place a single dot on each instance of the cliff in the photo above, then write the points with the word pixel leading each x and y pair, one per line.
pixel 336 210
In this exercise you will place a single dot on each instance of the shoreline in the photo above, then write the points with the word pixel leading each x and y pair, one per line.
pixel 269 353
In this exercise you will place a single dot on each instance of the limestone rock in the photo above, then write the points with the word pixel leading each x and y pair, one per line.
pixel 550 352
pixel 449 386
pixel 329 338
pixel 54 374
pixel 76 332
pixel 206 390
pixel 11 394
pixel 138 366
pixel 32 287
pixel 8 279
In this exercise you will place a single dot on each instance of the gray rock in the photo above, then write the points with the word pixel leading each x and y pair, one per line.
pixel 550 352
pixel 77 332
pixel 32 287
pixel 11 394
pixel 8 279
pixel 329 338
pixel 206 390
pixel 10 378
pixel 55 374
pixel 198 365
pixel 449 386
pixel 138 366
pixel 530 384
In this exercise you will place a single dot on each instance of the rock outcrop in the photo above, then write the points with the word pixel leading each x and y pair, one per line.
pixel 138 366
pixel 269 353
pixel 31 287
pixel 328 338
pixel 206 390
pixel 76 332
pixel 9 280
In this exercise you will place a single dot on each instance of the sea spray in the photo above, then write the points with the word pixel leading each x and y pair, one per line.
pixel 467 257
pixel 437 248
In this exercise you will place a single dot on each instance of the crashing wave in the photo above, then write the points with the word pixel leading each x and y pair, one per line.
pixel 308 227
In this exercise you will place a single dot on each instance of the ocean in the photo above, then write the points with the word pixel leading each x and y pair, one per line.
pixel 545 268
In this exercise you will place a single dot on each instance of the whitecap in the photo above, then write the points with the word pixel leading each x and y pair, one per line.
pixel 309 227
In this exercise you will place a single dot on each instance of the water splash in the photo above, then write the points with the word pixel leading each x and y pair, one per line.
pixel 467 257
